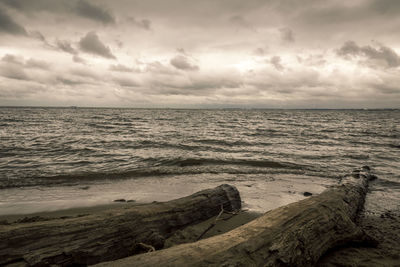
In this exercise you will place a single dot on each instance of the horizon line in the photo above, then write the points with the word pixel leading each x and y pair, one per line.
pixel 196 108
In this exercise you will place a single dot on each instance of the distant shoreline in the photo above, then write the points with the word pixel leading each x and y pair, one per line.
pixel 216 108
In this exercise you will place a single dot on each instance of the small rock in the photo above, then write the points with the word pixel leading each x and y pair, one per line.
pixel 131 200
pixel 120 200
pixel 64 217
pixel 84 187
pixel 366 168
pixel 373 177
pixel 307 194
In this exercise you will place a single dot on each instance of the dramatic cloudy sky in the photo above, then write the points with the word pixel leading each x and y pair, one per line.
pixel 209 53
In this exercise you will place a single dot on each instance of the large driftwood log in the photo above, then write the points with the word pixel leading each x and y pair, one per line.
pixel 293 235
pixel 110 235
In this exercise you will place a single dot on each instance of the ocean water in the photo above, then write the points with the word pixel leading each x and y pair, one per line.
pixel 61 157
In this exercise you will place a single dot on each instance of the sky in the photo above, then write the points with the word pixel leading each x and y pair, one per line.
pixel 200 54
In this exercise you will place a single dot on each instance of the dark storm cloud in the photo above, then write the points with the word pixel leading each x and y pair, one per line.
pixel 21 89
pixel 37 5
pixel 198 85
pixel 78 59
pixel 245 51
pixel 214 82
pixel 66 46
pixel 181 50
pixel 8 25
pixel 340 12
pixel 349 48
pixel 37 64
pixel 143 23
pixel 287 35
pixel 82 8
pixel 88 10
pixel 21 63
pixel 259 51
pixel 22 71
pixel 382 55
pixel 38 35
pixel 120 68
pixel 387 89
pixel 384 7
pixel 85 73
pixel 69 81
pixel 13 71
pixel 91 43
pixel 241 22
pixel 126 82
pixel 183 63
pixel 295 82
pixel 329 14
pixel 13 59
pixel 157 67
pixel 276 62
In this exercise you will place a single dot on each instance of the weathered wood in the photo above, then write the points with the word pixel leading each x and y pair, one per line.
pixel 293 235
pixel 110 235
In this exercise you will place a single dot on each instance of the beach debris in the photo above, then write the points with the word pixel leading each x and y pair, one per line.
pixel 297 234
pixel 111 235
pixel 84 187
pixel 149 248
pixel 65 217
pixel 120 200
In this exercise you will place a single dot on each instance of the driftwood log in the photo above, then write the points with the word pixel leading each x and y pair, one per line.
pixel 293 235
pixel 110 235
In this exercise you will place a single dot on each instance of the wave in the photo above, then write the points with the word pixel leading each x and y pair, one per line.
pixel 394 145
pixel 188 162
pixel 114 144
pixel 231 143
pixel 388 183
pixel 357 156
pixel 266 132
pixel 177 166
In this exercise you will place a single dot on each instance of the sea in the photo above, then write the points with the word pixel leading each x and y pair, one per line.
pixel 60 158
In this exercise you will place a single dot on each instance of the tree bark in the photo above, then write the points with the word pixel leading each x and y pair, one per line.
pixel 293 235
pixel 110 235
